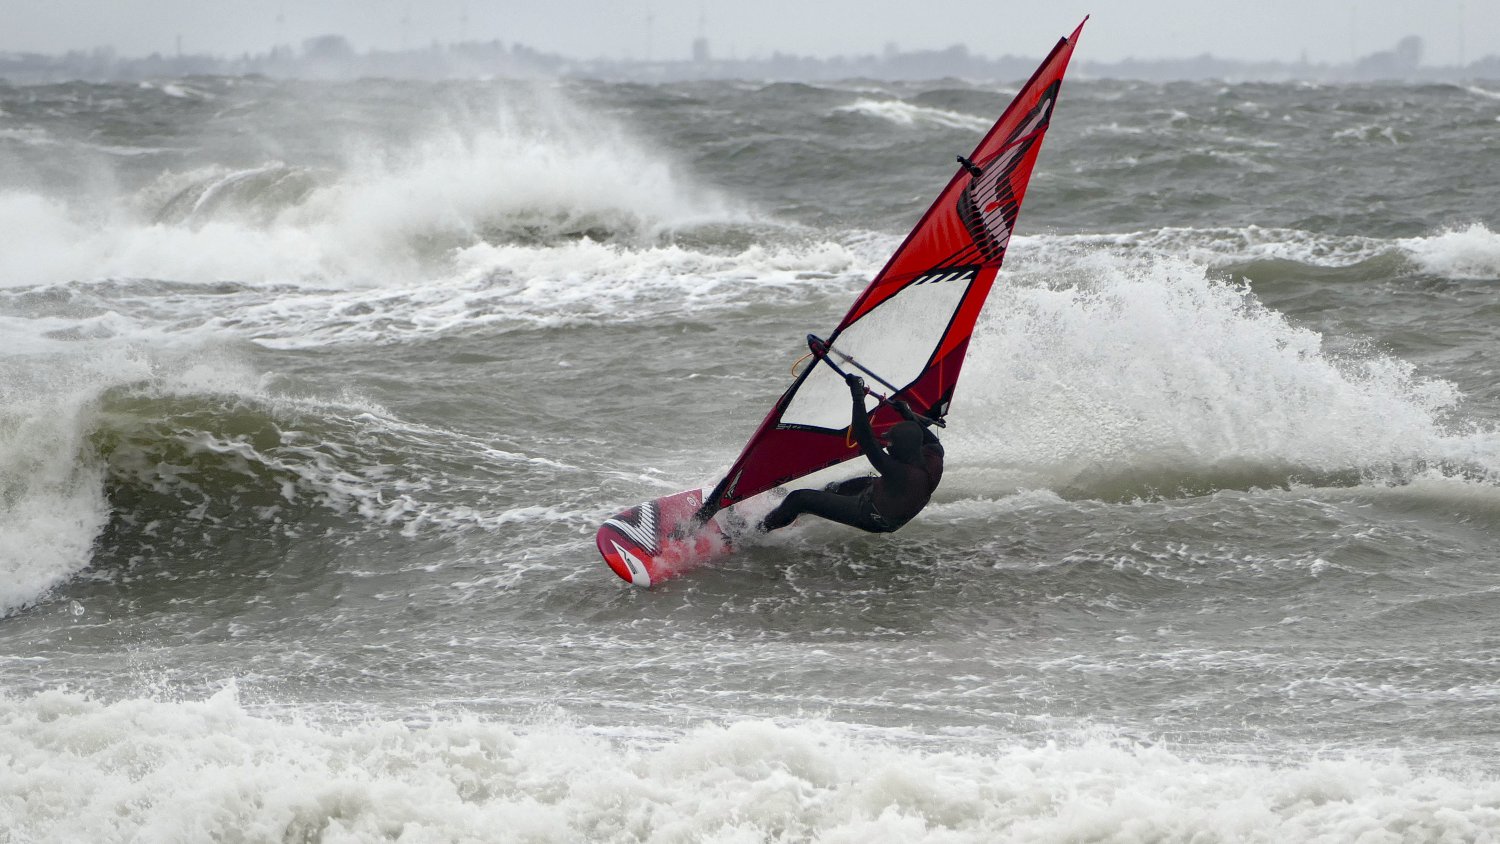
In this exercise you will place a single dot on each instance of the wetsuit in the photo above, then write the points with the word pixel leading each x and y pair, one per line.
pixel 880 504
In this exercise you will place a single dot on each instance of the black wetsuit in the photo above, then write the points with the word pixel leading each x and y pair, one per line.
pixel 878 504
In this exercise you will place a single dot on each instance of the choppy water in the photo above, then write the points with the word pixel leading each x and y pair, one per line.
pixel 312 396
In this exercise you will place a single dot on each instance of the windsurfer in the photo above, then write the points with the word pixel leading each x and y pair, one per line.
pixel 909 471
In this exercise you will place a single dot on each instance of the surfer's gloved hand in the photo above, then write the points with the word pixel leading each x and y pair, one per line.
pixel 905 410
pixel 856 386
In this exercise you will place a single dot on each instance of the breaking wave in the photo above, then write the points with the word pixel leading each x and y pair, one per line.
pixel 1132 374
pixel 536 175
pixel 88 770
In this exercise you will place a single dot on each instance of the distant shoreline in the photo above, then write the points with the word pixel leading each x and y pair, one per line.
pixel 331 57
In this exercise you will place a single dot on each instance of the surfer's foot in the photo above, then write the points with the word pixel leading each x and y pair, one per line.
pixel 775 520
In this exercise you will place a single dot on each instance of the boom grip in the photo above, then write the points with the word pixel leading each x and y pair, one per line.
pixel 821 350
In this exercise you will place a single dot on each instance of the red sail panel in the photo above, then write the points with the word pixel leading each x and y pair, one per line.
pixel 911 326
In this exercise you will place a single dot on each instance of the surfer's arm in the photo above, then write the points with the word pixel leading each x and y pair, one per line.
pixel 859 423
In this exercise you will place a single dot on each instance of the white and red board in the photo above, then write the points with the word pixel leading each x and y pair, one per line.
pixel 659 539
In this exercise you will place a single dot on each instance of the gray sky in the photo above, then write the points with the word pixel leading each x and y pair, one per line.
pixel 1327 30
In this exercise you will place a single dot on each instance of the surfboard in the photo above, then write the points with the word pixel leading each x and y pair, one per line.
pixel 660 538
pixel 907 332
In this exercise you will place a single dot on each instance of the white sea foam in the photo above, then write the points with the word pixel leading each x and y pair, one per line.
pixel 1222 245
pixel 51 496
pixel 180 91
pixel 1472 252
pixel 1369 132
pixel 390 214
pixel 82 770
pixel 29 135
pixel 909 114
pixel 1149 364
pixel 961 510
pixel 494 287
pixel 574 284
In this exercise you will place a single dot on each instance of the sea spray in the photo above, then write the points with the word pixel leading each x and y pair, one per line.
pixel 1124 364
pixel 536 169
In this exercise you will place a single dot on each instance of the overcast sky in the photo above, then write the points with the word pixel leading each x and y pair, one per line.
pixel 1326 30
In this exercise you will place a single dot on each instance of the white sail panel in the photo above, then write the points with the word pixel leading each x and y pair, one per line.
pixel 894 341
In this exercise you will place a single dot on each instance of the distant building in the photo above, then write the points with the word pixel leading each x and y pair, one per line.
pixel 1399 63
pixel 328 48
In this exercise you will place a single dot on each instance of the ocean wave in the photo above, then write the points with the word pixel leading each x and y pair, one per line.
pixel 493 289
pixel 576 283
pixel 55 477
pixel 257 194
pixel 82 769
pixel 33 136
pixel 1126 373
pixel 256 464
pixel 1471 252
pixel 229 461
pixel 387 213
pixel 119 450
pixel 1372 132
pixel 903 113
pixel 52 504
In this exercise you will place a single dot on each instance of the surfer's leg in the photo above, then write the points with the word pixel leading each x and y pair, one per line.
pixel 852 486
pixel 785 513
pixel 844 509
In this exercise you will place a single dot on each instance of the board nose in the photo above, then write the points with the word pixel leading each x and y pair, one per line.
pixel 624 563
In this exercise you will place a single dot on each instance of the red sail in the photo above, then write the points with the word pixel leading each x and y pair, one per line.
pixel 910 328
